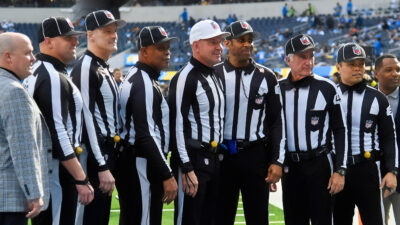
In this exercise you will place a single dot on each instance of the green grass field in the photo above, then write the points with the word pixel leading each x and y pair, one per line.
pixel 275 214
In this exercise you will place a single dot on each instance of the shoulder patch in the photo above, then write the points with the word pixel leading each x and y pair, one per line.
pixel 337 99
pixel 388 111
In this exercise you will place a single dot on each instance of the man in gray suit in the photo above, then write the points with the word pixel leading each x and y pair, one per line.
pixel 24 138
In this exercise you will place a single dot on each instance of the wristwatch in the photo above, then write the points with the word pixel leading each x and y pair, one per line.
pixel 341 171
pixel 82 182
pixel 394 171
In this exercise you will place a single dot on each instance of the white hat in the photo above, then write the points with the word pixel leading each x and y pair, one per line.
pixel 206 29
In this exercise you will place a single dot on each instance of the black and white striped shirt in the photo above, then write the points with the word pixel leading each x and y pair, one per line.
pixel 145 116
pixel 60 102
pixel 313 113
pixel 370 122
pixel 253 106
pixel 100 101
pixel 197 106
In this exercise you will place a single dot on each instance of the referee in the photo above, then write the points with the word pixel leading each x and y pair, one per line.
pixel 61 105
pixel 93 77
pixel 145 121
pixel 371 142
pixel 253 116
pixel 197 108
pixel 314 121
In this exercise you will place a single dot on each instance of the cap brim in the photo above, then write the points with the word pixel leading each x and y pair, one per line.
pixel 74 33
pixel 171 40
pixel 351 59
pixel 254 33
pixel 120 23
pixel 303 50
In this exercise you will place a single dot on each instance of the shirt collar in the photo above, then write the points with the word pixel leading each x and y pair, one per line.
pixel 12 73
pixel 58 65
pixel 247 69
pixel 300 83
pixel 357 87
pixel 98 59
pixel 394 94
pixel 201 67
pixel 148 69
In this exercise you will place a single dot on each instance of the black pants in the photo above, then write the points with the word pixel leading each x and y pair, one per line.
pixel 13 218
pixel 68 203
pixel 362 189
pixel 98 211
pixel 126 180
pixel 140 190
pixel 305 194
pixel 200 210
pixel 245 172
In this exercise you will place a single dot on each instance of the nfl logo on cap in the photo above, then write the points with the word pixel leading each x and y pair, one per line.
pixel 356 50
pixel 244 25
pixel 109 15
pixel 162 31
pixel 214 25
pixel 70 23
pixel 304 40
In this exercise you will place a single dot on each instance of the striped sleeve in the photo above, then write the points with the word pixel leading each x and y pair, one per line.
pixel 75 120
pixel 181 93
pixel 146 138
pixel 59 106
pixel 275 120
pixel 339 130
pixel 50 94
pixel 86 79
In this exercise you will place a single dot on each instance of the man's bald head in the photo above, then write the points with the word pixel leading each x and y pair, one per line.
pixel 16 53
pixel 7 42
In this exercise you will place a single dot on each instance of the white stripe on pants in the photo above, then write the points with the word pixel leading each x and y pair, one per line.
pixel 55 192
pixel 79 207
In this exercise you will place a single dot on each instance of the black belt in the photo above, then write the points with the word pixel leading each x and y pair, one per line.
pixel 203 146
pixel 307 155
pixel 242 144
pixel 355 159
pixel 109 141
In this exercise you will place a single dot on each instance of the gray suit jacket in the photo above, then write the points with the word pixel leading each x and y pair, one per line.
pixel 25 148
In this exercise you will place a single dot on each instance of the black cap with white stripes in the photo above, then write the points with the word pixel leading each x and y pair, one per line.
pixel 57 26
pixel 349 52
pixel 153 35
pixel 102 18
pixel 299 43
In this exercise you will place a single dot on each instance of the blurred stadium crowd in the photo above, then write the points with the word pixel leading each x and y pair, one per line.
pixel 69 3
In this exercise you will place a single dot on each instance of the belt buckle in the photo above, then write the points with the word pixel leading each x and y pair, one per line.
pixel 351 160
pixel 239 144
pixel 295 157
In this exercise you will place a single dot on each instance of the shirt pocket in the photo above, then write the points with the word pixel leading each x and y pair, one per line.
pixel 316 119
pixel 257 102
pixel 369 123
